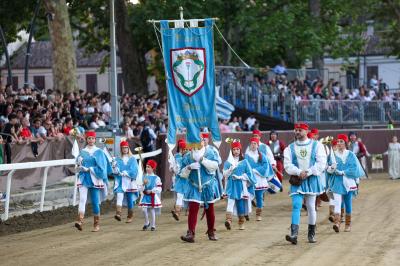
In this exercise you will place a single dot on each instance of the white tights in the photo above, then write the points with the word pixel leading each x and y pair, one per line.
pixel 153 216
pixel 230 205
pixel 120 198
pixel 83 191
pixel 310 203
pixel 179 200
pixel 337 202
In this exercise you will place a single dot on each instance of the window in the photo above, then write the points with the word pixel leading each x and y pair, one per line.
pixel 91 83
pixel 39 82
pixel 371 71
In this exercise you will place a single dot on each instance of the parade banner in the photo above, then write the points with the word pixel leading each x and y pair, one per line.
pixel 189 64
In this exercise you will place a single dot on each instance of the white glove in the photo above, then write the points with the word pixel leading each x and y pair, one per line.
pixel 115 171
pixel 124 174
pixel 113 163
pixel 194 166
pixel 331 169
pixel 79 161
pixel 83 169
pixel 339 172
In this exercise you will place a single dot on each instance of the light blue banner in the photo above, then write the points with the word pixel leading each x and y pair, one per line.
pixel 189 64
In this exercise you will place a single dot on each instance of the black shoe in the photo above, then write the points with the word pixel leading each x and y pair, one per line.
pixel 294 231
pixel 247 218
pixel 153 228
pixel 253 203
pixel 311 233
pixel 146 226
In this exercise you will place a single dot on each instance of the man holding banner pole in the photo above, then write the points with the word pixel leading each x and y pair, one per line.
pixel 199 167
pixel 188 52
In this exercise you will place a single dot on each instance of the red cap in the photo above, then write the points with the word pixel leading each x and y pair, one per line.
pixel 236 144
pixel 182 144
pixel 315 131
pixel 310 135
pixel 301 126
pixel 90 134
pixel 343 137
pixel 205 135
pixel 124 144
pixel 152 164
pixel 334 142
pixel 254 139
pixel 257 132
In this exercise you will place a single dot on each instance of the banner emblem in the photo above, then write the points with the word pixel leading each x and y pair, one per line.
pixel 188 67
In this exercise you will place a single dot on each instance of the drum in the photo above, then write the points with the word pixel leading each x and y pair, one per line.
pixel 275 185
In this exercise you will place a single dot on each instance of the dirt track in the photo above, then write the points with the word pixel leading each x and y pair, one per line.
pixel 374 240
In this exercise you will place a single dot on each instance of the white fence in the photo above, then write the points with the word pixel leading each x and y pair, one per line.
pixel 47 164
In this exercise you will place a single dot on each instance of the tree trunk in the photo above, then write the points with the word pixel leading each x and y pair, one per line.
pixel 63 51
pixel 133 69
pixel 315 11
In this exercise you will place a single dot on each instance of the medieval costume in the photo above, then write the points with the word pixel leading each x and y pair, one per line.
pixel 125 171
pixel 92 179
pixel 393 153
pixel 262 170
pixel 359 149
pixel 304 161
pixel 151 198
pixel 277 147
pixel 240 179
pixel 199 167
pixel 179 183
pixel 344 174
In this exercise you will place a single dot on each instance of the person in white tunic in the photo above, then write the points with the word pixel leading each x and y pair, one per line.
pixel 304 160
pixel 393 153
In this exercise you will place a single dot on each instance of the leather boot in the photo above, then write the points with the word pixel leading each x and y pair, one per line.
pixel 189 237
pixel 176 212
pixel 311 233
pixel 96 223
pixel 342 215
pixel 294 231
pixel 347 226
pixel 228 220
pixel 129 218
pixel 258 214
pixel 118 213
pixel 336 225
pixel 331 213
pixel 211 235
pixel 79 222
pixel 241 222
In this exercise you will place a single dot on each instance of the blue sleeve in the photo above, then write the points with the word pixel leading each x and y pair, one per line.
pixel 100 170
pixel 133 168
pixel 250 174
pixel 227 165
pixel 352 167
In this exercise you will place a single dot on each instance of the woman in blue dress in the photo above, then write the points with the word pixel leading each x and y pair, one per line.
pixel 180 183
pixel 344 174
pixel 262 170
pixel 151 198
pixel 125 171
pixel 92 179
pixel 240 178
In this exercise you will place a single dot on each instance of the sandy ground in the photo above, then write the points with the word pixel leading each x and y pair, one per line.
pixel 374 240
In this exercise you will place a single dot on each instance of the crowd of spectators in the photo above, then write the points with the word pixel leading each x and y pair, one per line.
pixel 33 116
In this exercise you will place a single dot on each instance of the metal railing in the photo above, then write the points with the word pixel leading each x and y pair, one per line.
pixel 345 112
pixel 47 164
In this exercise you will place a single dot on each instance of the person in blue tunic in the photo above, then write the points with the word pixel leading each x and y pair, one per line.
pixel 151 199
pixel 125 171
pixel 344 174
pixel 217 175
pixel 239 177
pixel 199 167
pixel 262 171
pixel 92 179
pixel 304 160
pixel 179 183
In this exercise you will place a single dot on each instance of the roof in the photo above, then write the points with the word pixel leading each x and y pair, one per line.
pixel 41 57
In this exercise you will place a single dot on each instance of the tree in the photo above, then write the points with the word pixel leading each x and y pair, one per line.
pixel 63 52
